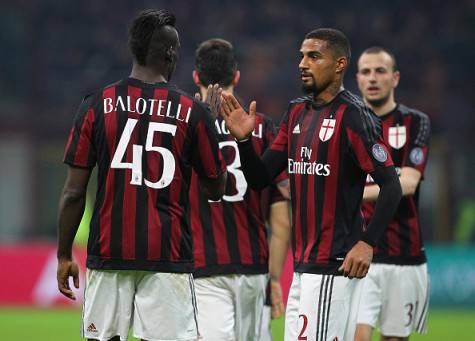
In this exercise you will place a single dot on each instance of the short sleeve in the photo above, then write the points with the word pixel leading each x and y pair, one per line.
pixel 363 130
pixel 207 159
pixel 80 149
pixel 418 148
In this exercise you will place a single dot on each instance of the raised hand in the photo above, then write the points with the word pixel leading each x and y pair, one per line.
pixel 238 121
pixel 213 99
pixel 357 260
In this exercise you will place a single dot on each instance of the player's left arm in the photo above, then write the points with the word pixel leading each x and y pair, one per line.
pixel 278 248
pixel 409 179
pixel 71 209
pixel 363 130
pixel 415 162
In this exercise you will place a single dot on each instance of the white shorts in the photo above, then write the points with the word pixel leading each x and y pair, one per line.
pixel 395 297
pixel 266 334
pixel 322 308
pixel 158 306
pixel 230 306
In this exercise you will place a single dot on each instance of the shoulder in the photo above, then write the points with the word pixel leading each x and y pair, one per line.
pixel 420 120
pixel 358 114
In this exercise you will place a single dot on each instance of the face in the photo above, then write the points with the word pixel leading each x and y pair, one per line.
pixel 376 78
pixel 318 66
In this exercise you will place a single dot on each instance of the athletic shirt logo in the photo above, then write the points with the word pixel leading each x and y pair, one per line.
pixel 416 156
pixel 379 153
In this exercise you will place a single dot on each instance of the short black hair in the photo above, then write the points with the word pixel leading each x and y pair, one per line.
pixel 379 49
pixel 336 40
pixel 145 29
pixel 215 62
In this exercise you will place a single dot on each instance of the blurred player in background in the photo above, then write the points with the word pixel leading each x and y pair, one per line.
pixel 396 291
pixel 328 140
pixel 229 235
pixel 145 136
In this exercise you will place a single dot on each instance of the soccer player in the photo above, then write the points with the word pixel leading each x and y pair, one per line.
pixel 229 235
pixel 145 136
pixel 328 140
pixel 396 290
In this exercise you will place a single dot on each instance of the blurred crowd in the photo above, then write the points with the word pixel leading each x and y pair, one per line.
pixel 54 52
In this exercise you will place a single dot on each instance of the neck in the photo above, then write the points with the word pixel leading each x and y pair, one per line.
pixel 204 91
pixel 329 93
pixel 146 74
pixel 382 109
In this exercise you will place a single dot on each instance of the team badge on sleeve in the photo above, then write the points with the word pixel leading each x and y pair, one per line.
pixel 379 153
pixel 416 156
pixel 326 131
pixel 397 137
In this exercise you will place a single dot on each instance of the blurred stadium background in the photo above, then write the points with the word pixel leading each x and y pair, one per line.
pixel 54 52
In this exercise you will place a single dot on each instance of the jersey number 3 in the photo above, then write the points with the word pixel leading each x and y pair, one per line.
pixel 136 164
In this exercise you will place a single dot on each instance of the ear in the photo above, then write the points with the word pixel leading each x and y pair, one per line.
pixel 236 78
pixel 396 78
pixel 196 79
pixel 170 54
pixel 341 64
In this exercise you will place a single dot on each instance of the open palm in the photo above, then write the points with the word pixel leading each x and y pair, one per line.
pixel 238 121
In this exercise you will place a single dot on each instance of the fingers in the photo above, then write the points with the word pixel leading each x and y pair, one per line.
pixel 198 96
pixel 346 266
pixel 63 286
pixel 252 108
pixel 225 104
pixel 234 104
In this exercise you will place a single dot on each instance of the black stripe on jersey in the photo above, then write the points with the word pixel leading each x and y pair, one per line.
pixel 104 160
pixel 141 195
pixel 304 204
pixel 230 231
pixel 253 232
pixel 207 225
pixel 329 307
pixel 117 205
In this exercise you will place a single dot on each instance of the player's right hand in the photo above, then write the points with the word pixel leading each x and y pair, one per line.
pixel 238 121
pixel 67 268
pixel 276 299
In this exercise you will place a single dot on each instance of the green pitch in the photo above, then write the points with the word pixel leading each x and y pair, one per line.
pixel 63 325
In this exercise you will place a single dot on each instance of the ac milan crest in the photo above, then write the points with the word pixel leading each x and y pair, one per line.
pixel 326 131
pixel 397 137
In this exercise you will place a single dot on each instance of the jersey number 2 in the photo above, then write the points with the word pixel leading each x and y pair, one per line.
pixel 136 164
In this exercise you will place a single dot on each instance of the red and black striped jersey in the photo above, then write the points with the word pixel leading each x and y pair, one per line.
pixel 407 133
pixel 328 149
pixel 145 139
pixel 229 235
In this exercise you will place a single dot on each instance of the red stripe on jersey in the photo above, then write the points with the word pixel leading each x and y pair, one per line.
pixel 68 144
pixel 394 242
pixel 82 151
pixel 175 187
pixel 242 229
pixel 110 127
pixel 219 233
pixel 130 191
pixel 196 225
pixel 331 189
pixel 414 230
pixel 154 234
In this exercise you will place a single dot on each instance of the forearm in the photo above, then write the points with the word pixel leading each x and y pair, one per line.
pixel 388 200
pixel 279 241
pixel 408 187
pixel 71 209
pixel 370 193
pixel 259 172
